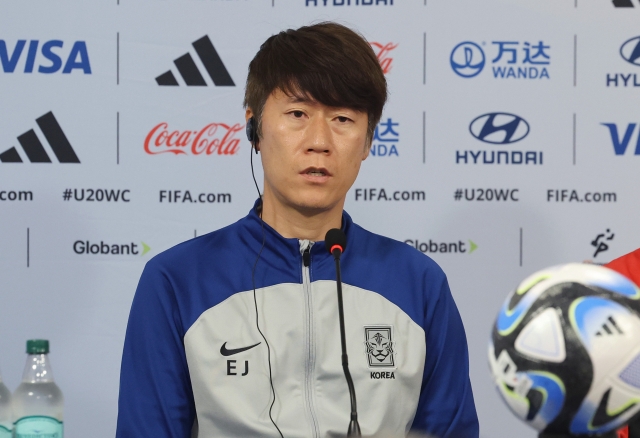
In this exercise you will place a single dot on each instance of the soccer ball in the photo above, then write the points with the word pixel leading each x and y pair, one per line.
pixel 565 350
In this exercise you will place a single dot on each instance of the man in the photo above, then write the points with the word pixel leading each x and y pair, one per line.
pixel 236 333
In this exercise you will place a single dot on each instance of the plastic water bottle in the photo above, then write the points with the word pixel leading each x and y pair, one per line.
pixel 5 411
pixel 37 402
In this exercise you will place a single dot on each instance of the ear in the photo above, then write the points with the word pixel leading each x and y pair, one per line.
pixel 368 142
pixel 247 116
pixel 367 149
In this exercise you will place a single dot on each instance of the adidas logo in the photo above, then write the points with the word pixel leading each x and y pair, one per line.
pixel 190 72
pixel 34 149
pixel 610 327
pixel 623 4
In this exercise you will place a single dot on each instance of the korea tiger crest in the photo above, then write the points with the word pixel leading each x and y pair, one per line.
pixel 378 343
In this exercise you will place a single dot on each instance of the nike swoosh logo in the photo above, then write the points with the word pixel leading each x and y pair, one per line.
pixel 229 352
pixel 603 416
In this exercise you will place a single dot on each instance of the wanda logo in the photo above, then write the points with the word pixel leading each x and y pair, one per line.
pixel 213 139
pixel 382 52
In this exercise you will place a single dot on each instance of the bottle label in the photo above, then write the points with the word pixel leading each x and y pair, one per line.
pixel 5 431
pixel 38 427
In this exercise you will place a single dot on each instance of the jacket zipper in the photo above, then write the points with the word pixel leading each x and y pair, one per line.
pixel 310 360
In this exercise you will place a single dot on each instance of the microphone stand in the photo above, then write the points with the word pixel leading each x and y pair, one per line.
pixel 354 427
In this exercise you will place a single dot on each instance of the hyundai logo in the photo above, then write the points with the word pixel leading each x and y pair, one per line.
pixel 630 51
pixel 499 128
pixel 467 59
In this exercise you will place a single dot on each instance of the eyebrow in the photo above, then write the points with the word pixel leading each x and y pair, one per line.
pixel 295 98
pixel 301 99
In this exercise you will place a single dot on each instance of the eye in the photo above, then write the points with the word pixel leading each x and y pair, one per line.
pixel 297 114
pixel 343 119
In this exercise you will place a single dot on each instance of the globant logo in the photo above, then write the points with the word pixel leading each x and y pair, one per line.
pixel 510 59
pixel 86 247
pixel 48 57
pixel 630 52
pixel 621 142
pixel 213 139
pixel 383 52
pixel 459 247
pixel 499 129
pixel 348 2
pixel 385 139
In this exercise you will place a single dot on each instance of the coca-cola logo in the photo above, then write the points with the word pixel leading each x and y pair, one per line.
pixel 213 139
pixel 382 52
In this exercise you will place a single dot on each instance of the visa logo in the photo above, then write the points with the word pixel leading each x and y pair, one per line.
pixel 620 143
pixel 52 57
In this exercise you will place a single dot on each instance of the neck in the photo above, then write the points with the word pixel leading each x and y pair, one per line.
pixel 300 223
pixel 37 369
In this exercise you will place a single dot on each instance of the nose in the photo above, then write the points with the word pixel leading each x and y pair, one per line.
pixel 319 136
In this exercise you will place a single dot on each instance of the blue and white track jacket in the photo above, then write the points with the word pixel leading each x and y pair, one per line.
pixel 195 365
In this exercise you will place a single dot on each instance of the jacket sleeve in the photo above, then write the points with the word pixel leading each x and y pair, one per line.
pixel 446 408
pixel 156 399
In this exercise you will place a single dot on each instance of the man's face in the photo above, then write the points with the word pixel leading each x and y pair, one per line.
pixel 311 153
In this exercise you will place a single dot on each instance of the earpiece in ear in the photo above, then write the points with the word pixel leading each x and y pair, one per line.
pixel 251 133
pixel 251 130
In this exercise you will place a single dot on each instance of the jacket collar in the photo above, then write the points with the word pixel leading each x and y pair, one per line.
pixel 286 247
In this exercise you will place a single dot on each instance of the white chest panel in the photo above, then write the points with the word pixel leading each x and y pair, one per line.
pixel 232 393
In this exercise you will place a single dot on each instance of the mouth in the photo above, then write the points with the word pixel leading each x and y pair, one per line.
pixel 317 172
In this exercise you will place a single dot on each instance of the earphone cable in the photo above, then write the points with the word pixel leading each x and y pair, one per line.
pixel 255 300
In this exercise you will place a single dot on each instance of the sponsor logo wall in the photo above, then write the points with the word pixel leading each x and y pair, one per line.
pixel 122 134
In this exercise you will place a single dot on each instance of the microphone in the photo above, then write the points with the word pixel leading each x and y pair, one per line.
pixel 335 241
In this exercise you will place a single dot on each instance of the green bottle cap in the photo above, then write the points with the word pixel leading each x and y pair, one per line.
pixel 37 346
